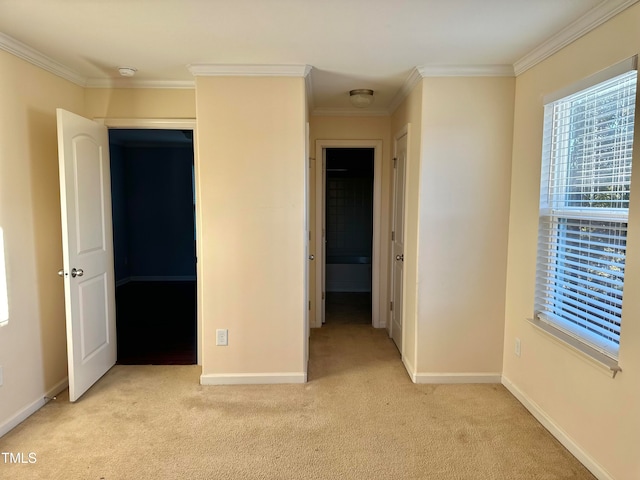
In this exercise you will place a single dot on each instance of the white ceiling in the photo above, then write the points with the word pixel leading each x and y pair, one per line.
pixel 349 43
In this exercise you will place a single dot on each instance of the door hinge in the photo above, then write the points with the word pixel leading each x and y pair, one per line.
pixel 323 295
pixel 391 306
pixel 395 162
pixel 393 236
pixel 309 304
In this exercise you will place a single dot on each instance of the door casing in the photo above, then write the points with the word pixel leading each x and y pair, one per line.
pixel 320 201
pixel 174 124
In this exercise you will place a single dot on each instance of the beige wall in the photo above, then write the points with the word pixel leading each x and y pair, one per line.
pixel 251 154
pixel 598 413
pixel 467 126
pixel 355 128
pixel 33 344
pixel 140 103
pixel 410 112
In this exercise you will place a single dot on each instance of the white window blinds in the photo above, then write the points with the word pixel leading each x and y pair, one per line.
pixel 584 201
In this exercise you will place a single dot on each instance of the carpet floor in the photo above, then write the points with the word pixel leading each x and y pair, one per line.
pixel 348 308
pixel 359 417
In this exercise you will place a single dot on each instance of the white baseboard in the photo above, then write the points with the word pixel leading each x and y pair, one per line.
pixel 32 408
pixel 458 378
pixel 547 422
pixel 409 368
pixel 252 378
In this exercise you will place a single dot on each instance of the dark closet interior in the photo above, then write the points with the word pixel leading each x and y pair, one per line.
pixel 349 234
pixel 153 205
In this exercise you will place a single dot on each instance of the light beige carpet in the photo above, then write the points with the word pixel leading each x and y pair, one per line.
pixel 358 417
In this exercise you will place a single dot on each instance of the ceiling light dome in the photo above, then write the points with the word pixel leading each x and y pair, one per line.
pixel 361 98
pixel 127 71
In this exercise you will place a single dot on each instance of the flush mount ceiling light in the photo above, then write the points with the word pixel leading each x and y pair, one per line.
pixel 361 98
pixel 127 71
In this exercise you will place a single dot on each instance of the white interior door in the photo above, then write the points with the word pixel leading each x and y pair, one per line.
pixel 87 242
pixel 397 235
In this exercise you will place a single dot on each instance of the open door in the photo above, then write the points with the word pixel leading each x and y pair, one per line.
pixel 87 243
pixel 397 238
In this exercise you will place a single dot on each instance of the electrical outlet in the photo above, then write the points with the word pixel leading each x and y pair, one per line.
pixel 1 379
pixel 222 337
pixel 517 348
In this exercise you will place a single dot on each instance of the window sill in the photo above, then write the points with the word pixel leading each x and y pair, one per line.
pixel 585 351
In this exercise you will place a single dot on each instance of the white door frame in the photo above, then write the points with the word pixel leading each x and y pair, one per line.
pixel 321 147
pixel 173 124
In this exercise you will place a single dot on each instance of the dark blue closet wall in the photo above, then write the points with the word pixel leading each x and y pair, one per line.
pixel 154 216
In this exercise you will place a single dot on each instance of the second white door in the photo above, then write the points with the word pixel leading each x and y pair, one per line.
pixel 397 235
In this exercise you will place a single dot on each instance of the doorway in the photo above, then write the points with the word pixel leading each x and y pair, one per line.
pixel 349 235
pixel 348 273
pixel 153 206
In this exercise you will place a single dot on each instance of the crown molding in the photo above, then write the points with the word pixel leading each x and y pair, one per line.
pixel 131 83
pixel 36 58
pixel 466 71
pixel 589 21
pixel 308 82
pixel 349 112
pixel 411 81
pixel 231 70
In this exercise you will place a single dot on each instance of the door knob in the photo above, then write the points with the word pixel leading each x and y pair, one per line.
pixel 77 272
pixel 400 258
pixel 311 257
pixel 61 273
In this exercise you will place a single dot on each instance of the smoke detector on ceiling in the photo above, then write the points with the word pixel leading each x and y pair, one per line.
pixel 127 71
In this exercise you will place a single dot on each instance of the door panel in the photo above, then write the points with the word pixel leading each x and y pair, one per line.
pixel 397 248
pixel 88 194
pixel 92 296
pixel 87 241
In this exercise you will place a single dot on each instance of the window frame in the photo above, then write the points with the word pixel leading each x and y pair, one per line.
pixel 551 217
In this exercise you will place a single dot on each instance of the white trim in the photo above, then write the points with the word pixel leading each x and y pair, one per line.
pixel 627 65
pixel 412 80
pixel 466 71
pixel 349 112
pixel 452 378
pixel 252 378
pixel 377 305
pixel 589 21
pixel 151 123
pixel 232 70
pixel 38 59
pixel 308 82
pixel 563 437
pixel 33 407
pixel 408 367
pixel 577 347
pixel 134 83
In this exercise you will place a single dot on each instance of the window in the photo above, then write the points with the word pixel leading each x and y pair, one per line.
pixel 4 302
pixel 584 205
